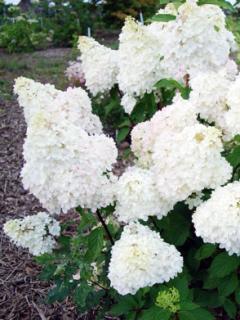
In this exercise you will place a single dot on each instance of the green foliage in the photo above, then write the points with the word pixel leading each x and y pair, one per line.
pixel 221 3
pixel 155 313
pixel 223 264
pixel 163 18
pixel 23 35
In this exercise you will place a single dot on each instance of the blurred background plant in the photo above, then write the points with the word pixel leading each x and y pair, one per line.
pixel 31 25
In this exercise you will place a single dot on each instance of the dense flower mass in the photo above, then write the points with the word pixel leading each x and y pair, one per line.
pixel 137 196
pixel 33 95
pixel 209 96
pixel 189 161
pixel 171 119
pixel 140 259
pixel 196 41
pixel 217 220
pixel 139 62
pixel 99 65
pixel 36 233
pixel 72 105
pixel 65 166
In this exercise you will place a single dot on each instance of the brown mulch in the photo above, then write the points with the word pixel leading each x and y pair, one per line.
pixel 22 295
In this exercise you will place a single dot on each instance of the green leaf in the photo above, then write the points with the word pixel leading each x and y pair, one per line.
pixel 223 265
pixel 205 251
pixel 207 298
pixel 163 17
pixel 95 244
pixel 176 227
pixel 230 308
pixel 221 3
pixel 87 220
pixel 144 109
pixel 173 84
pixel 81 293
pixel 126 123
pixel 181 283
pixel 211 283
pixel 228 285
pixel 122 134
pixel 237 295
pixel 196 314
pixel 58 293
pixel 234 157
pixel 124 306
pixel 188 306
pixel 155 313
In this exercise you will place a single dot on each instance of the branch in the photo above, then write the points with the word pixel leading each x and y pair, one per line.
pixel 105 227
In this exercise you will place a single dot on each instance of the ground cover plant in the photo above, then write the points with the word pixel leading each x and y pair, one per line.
pixel 161 239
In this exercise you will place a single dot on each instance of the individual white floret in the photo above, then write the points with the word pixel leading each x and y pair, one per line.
pixel 99 64
pixel 189 161
pixel 137 196
pixel 140 259
pixel 217 220
pixel 36 233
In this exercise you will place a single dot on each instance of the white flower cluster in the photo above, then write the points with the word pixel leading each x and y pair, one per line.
pixel 196 41
pixel 171 119
pixel 189 161
pixel 176 158
pixel 36 233
pixel 99 64
pixel 68 161
pixel 217 220
pixel 137 196
pixel 209 96
pixel 216 98
pixel 72 105
pixel 140 259
pixel 75 74
pixel 33 95
pixel 139 62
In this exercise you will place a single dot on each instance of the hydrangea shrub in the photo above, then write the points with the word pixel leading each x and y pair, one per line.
pixel 161 240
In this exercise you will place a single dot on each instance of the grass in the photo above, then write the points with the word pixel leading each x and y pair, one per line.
pixel 44 66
